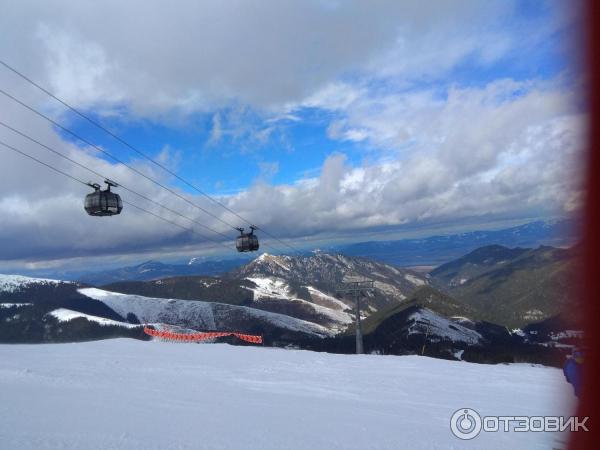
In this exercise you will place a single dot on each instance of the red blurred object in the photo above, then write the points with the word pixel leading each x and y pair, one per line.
pixel 197 337
pixel 590 398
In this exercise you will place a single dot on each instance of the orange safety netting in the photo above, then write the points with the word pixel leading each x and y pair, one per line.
pixel 192 337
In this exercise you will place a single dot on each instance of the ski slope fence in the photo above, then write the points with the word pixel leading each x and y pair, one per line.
pixel 201 336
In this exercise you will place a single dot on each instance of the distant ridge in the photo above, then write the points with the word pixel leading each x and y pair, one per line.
pixel 436 250
pixel 513 287
pixel 429 251
pixel 152 270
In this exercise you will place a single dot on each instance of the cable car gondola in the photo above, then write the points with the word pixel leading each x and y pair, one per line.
pixel 103 202
pixel 246 242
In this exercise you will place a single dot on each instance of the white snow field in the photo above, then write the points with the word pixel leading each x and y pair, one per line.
pixel 12 283
pixel 128 394
pixel 199 313
pixel 65 315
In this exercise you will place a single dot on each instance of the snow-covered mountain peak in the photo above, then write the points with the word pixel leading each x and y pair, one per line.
pixel 269 263
pixel 328 271
pixel 13 283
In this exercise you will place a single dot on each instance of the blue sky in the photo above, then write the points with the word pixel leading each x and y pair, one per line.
pixel 291 149
pixel 321 120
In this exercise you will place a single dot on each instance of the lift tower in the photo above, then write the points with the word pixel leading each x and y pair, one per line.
pixel 357 288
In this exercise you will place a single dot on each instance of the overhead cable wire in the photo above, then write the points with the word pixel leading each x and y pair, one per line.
pixel 39 161
pixel 110 155
pixel 118 160
pixel 62 155
pixel 61 172
pixel 138 151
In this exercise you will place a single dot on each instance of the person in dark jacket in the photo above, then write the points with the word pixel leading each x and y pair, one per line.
pixel 572 370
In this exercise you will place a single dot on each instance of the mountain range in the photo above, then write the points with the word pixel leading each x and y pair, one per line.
pixel 436 250
pixel 516 286
pixel 301 286
pixel 478 307
pixel 152 270
pixel 427 252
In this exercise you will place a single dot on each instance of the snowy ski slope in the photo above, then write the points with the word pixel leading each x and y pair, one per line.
pixel 193 313
pixel 66 315
pixel 127 394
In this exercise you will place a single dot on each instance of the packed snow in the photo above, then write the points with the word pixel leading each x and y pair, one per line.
pixel 128 394
pixel 66 315
pixel 14 305
pixel 566 334
pixel 389 289
pixel 270 287
pixel 326 300
pixel 275 289
pixel 13 283
pixel 518 332
pixel 463 320
pixel 414 280
pixel 441 327
pixel 195 314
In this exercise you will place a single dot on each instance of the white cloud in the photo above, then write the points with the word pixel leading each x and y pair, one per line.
pixel 506 148
pixel 155 58
pixel 79 71
pixel 216 131
pixel 438 152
